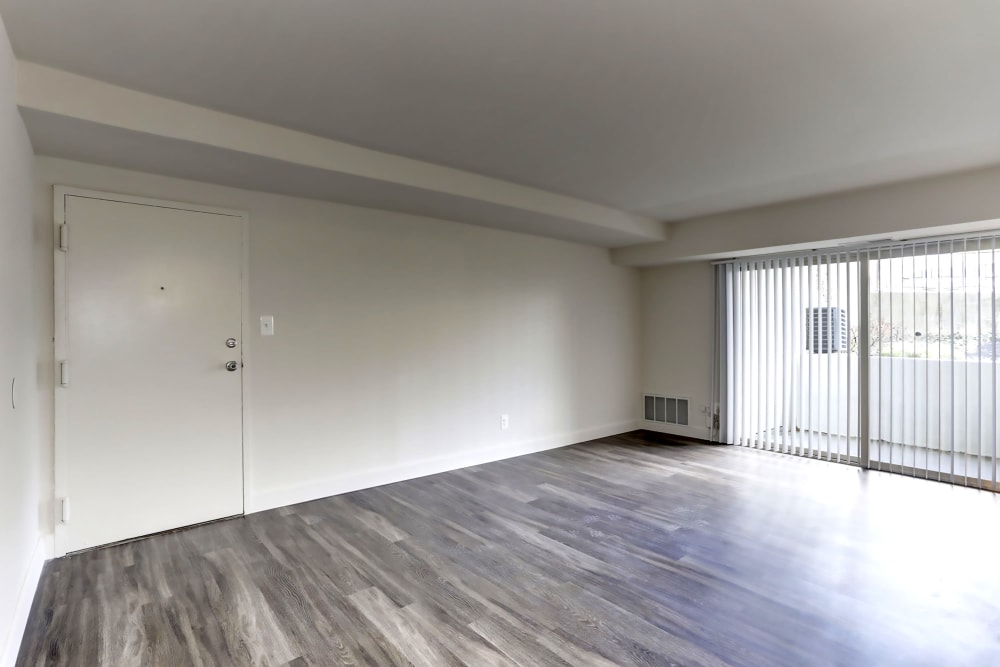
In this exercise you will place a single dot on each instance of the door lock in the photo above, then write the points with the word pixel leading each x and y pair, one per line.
pixel 232 365
pixel 230 342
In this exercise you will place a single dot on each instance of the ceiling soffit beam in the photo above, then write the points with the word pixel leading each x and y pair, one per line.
pixel 62 93
pixel 955 203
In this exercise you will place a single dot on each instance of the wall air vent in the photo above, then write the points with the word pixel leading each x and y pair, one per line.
pixel 826 330
pixel 665 410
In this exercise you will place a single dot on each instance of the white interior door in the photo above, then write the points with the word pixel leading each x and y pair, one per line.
pixel 151 419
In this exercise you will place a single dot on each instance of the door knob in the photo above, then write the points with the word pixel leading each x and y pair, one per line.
pixel 231 365
pixel 230 342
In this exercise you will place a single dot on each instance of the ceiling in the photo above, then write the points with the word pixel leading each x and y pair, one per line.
pixel 670 108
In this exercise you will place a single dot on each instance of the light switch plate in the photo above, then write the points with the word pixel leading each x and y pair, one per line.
pixel 267 325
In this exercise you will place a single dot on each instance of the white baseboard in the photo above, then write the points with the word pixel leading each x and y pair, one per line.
pixel 25 597
pixel 700 432
pixel 366 479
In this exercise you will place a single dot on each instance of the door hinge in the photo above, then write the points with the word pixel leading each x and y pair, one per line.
pixel 65 510
pixel 64 373
pixel 64 237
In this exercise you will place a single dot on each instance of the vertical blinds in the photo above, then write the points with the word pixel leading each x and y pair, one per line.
pixel 933 347
pixel 789 377
pixel 884 357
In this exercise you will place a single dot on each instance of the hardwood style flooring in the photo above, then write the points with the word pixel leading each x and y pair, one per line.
pixel 625 551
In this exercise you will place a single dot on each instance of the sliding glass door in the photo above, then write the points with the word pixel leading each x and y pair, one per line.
pixel 933 369
pixel 883 357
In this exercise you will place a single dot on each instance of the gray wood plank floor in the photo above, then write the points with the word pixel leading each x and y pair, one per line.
pixel 622 551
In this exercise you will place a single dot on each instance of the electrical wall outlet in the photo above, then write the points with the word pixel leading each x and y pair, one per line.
pixel 504 422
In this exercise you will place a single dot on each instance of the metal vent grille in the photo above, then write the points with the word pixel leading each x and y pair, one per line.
pixel 826 330
pixel 665 409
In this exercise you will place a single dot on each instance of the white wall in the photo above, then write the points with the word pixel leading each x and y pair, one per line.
pixel 677 347
pixel 21 478
pixel 400 340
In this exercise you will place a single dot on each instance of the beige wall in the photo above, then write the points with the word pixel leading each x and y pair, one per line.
pixel 22 480
pixel 678 304
pixel 401 340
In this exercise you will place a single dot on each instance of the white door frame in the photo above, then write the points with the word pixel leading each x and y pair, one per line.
pixel 61 342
